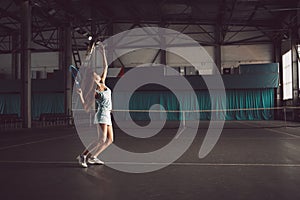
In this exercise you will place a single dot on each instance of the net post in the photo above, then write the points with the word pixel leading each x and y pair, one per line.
pixel 183 118
pixel 90 119
pixel 284 112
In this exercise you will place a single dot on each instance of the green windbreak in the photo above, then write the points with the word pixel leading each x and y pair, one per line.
pixel 143 100
pixel 47 103
pixel 40 103
pixel 249 100
pixel 10 104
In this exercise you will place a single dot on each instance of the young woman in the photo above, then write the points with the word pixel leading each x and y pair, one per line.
pixel 102 117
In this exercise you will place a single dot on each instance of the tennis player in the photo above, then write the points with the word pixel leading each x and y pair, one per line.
pixel 102 117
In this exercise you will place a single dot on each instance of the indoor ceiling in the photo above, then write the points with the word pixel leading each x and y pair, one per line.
pixel 274 17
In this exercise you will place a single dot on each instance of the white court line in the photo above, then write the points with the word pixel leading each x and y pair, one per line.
pixel 269 129
pixel 290 127
pixel 181 131
pixel 156 163
pixel 282 132
pixel 34 142
pixel 36 162
pixel 210 164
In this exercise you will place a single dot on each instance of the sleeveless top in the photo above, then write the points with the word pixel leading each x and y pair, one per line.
pixel 103 100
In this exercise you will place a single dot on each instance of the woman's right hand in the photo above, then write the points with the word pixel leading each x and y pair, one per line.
pixel 79 91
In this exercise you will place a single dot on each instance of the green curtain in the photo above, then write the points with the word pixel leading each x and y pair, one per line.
pixel 235 99
pixel 40 103
pixel 10 104
pixel 247 99
pixel 143 100
pixel 47 103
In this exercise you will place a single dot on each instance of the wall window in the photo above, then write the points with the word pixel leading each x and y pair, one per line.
pixel 287 76
pixel 298 66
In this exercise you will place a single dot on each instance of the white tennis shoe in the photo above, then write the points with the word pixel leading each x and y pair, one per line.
pixel 82 160
pixel 95 160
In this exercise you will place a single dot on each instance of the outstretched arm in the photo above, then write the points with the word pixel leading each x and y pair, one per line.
pixel 105 66
pixel 84 103
pixel 90 50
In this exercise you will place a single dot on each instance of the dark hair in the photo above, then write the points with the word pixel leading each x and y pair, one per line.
pixel 96 93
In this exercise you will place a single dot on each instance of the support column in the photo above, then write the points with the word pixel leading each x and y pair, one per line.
pixel 61 56
pixel 279 91
pixel 162 48
pixel 65 60
pixel 163 52
pixel 67 74
pixel 295 66
pixel 218 42
pixel 15 57
pixel 26 63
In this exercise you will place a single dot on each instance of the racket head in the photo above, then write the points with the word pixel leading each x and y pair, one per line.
pixel 76 75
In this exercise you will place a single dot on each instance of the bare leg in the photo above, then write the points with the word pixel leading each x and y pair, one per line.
pixel 102 138
pixel 102 135
pixel 90 147
pixel 109 139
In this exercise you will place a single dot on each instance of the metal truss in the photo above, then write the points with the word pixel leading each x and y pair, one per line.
pixel 238 21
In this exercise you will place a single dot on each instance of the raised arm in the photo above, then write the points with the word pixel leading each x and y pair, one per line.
pixel 90 50
pixel 105 66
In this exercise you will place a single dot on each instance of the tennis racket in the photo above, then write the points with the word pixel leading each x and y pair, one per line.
pixel 76 75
